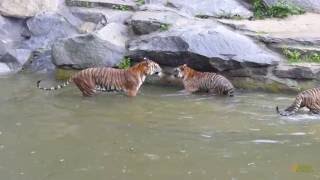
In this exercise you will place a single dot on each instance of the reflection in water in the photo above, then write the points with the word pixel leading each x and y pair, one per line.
pixel 160 134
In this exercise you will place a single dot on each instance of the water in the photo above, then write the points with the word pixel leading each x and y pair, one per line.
pixel 161 134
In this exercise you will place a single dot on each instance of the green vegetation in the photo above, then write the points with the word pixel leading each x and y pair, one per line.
pixel 140 2
pixel 121 7
pixel 164 27
pixel 294 56
pixel 280 10
pixel 125 63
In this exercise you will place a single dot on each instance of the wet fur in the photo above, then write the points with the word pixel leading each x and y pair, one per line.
pixel 309 98
pixel 91 80
pixel 195 81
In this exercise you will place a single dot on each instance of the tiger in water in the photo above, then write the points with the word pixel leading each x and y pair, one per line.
pixel 309 98
pixel 91 80
pixel 194 81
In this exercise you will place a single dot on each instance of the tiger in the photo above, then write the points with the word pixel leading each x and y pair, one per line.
pixel 309 98
pixel 210 82
pixel 91 80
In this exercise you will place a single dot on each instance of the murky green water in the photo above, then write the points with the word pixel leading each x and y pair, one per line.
pixel 160 135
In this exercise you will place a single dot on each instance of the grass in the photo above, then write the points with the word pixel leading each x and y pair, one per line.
pixel 281 9
pixel 125 63
pixel 294 56
pixel 164 27
pixel 121 7
pixel 140 2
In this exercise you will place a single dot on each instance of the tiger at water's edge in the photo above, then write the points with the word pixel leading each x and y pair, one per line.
pixel 309 98
pixel 91 80
pixel 194 81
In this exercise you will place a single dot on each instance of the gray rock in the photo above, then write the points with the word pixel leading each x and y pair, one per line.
pixel 46 28
pixel 16 58
pixel 11 31
pixel 205 45
pixel 4 69
pixel 154 18
pixel 101 16
pixel 130 4
pixel 103 48
pixel 212 8
pixel 40 62
pixel 297 71
pixel 25 9
pixel 309 5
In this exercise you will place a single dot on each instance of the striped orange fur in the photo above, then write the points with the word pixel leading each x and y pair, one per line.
pixel 91 80
pixel 309 98
pixel 194 81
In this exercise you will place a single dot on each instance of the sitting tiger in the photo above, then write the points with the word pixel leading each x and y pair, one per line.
pixel 91 80
pixel 194 81
pixel 309 98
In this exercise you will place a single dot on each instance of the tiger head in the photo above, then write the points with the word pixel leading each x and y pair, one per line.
pixel 181 71
pixel 150 67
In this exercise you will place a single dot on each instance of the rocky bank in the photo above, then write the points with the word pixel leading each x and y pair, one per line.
pixel 210 35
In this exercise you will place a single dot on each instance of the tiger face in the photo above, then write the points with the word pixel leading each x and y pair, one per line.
pixel 151 67
pixel 181 71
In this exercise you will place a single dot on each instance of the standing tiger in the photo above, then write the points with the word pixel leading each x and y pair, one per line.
pixel 309 98
pixel 194 81
pixel 110 79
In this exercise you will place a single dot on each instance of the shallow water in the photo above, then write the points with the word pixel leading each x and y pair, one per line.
pixel 161 134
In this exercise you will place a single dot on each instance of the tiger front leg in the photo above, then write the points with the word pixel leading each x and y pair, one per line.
pixel 315 109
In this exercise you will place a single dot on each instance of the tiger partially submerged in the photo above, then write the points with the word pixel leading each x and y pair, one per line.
pixel 91 80
pixel 194 81
pixel 309 98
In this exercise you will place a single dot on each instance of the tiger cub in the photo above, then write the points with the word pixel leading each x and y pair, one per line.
pixel 194 81
pixel 91 80
pixel 309 98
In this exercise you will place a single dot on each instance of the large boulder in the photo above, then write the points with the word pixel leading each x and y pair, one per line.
pixel 26 8
pixel 205 45
pixel 46 28
pixel 11 33
pixel 103 48
pixel 212 8
pixel 15 58
pixel 309 5
pixel 156 17
pixel 40 62
pixel 4 69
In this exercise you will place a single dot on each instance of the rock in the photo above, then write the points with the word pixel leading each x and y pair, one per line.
pixel 309 5
pixel 16 58
pixel 283 34
pixel 114 4
pixel 212 8
pixel 205 45
pixel 103 48
pixel 40 62
pixel 153 19
pixel 46 28
pixel 4 69
pixel 11 31
pixel 297 71
pixel 101 16
pixel 26 8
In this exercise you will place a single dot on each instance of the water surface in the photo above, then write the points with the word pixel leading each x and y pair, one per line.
pixel 161 134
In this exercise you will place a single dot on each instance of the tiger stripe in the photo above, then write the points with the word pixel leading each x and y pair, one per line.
pixel 204 81
pixel 309 98
pixel 106 79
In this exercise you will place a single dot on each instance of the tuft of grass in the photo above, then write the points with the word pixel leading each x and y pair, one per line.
pixel 294 56
pixel 121 7
pixel 125 63
pixel 140 2
pixel 281 9
pixel 164 27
